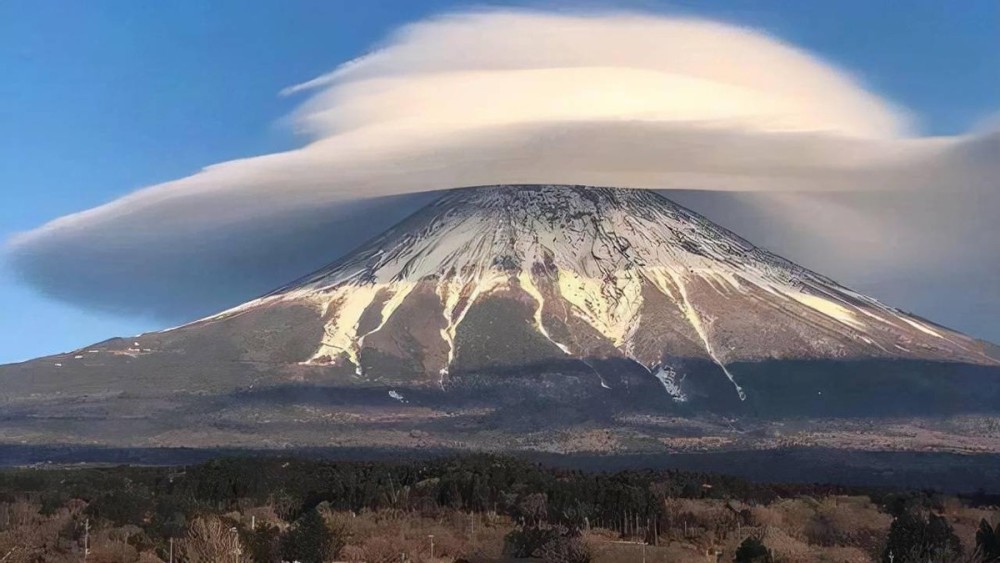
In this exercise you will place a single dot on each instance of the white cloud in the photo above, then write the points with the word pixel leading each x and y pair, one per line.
pixel 524 97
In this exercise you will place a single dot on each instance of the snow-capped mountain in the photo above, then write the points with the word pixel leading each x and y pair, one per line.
pixel 561 318
pixel 585 273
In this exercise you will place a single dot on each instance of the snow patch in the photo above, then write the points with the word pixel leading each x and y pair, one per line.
pixel 828 308
pixel 668 377
pixel 610 305
pixel 524 278
pixel 399 293
pixel 692 316
pixel 450 293
pixel 340 334
pixel 921 327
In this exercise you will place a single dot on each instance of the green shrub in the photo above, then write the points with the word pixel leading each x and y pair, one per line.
pixel 752 550
pixel 263 544
pixel 309 540
pixel 915 539
pixel 988 542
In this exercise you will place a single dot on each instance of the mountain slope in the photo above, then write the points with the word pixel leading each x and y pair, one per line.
pixel 596 273
pixel 498 312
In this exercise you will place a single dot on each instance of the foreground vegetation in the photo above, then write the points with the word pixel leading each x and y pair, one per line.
pixel 473 508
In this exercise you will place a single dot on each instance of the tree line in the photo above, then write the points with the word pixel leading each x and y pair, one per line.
pixel 550 506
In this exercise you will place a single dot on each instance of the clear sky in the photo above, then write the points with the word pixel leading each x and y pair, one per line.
pixel 100 98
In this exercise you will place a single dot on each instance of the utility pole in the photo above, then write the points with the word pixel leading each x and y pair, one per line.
pixel 431 536
pixel 171 550
pixel 86 538
pixel 236 549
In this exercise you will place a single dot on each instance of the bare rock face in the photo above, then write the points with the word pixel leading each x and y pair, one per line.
pixel 607 300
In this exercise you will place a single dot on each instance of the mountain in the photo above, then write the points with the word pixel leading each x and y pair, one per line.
pixel 586 273
pixel 537 305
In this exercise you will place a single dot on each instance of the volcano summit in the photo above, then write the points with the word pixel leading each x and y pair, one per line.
pixel 569 303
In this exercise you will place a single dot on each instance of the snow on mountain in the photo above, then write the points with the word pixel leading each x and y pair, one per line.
pixel 601 272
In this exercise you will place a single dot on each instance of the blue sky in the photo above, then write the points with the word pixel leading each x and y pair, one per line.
pixel 98 99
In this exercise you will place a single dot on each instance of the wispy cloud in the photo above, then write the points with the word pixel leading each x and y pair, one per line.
pixel 529 97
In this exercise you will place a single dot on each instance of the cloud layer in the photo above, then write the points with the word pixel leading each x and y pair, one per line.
pixel 832 174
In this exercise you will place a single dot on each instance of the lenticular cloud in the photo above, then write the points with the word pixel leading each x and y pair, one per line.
pixel 483 70
pixel 500 97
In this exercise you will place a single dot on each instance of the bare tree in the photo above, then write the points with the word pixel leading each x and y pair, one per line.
pixel 211 540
